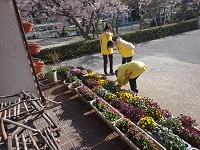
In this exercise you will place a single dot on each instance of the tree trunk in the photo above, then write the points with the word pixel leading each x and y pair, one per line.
pixel 93 31
pixel 117 25
pixel 82 32
pixel 141 21
pixel 97 27
pixel 63 30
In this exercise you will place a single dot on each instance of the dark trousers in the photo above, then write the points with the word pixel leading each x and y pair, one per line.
pixel 105 62
pixel 133 84
pixel 126 60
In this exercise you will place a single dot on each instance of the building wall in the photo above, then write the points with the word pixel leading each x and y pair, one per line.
pixel 15 71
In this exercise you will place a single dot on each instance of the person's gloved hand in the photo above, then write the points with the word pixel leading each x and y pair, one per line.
pixel 119 85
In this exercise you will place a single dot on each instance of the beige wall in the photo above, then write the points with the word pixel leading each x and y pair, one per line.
pixel 15 71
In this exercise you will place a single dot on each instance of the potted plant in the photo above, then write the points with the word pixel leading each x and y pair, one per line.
pixel 125 95
pixel 171 123
pixel 147 123
pixel 116 103
pixel 169 140
pixel 110 86
pixel 184 127
pixel 51 74
pixel 90 82
pixel 74 85
pixel 187 120
pixel 79 72
pixel 132 112
pixel 134 137
pixel 106 112
pixel 34 47
pixel 27 27
pixel 90 73
pixel 99 90
pixel 69 80
pixel 109 97
pixel 154 110
pixel 63 72
pixel 38 66
pixel 86 94
pixel 163 135
pixel 167 113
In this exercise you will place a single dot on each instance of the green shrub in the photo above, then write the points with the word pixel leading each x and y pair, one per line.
pixel 82 48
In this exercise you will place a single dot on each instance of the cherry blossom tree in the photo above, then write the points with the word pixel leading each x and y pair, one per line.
pixel 83 13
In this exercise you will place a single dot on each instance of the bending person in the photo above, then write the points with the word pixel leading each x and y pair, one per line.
pixel 129 72
pixel 125 48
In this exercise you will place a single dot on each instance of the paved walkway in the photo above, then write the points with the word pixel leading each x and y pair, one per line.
pixel 54 42
pixel 173 76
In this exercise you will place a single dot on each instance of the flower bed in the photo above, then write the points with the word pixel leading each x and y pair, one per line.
pixel 86 94
pixel 74 85
pixel 99 90
pixel 90 82
pixel 178 130
pixel 111 87
pixel 106 112
pixel 170 140
pixel 70 80
pixel 132 112
pixel 80 72
pixel 184 126
pixel 134 137
pixel 163 135
pixel 109 97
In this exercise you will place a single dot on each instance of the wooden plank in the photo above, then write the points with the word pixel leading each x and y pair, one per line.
pixel 24 142
pixel 5 112
pixel 25 106
pixel 33 141
pixel 18 107
pixel 14 111
pixel 54 139
pixel 9 143
pixel 16 142
pixel 9 110
pixel 1 108
pixel 3 131
pixel 48 138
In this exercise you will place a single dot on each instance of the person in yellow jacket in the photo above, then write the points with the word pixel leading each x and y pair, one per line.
pixel 129 72
pixel 125 48
pixel 107 52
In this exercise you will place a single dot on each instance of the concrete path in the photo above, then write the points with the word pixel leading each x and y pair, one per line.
pixel 55 42
pixel 173 77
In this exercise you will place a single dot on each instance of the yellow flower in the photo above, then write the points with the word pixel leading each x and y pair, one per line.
pixel 143 126
pixel 136 97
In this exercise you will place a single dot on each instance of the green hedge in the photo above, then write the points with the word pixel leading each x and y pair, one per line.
pixel 78 49
pixel 160 31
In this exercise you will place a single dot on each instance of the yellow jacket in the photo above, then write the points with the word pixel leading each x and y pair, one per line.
pixel 129 71
pixel 125 48
pixel 103 42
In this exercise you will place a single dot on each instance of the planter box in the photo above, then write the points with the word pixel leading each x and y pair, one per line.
pixel 193 148
pixel 66 83
pixel 110 124
pixel 73 90
pixel 85 101
pixel 132 145
pixel 188 146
